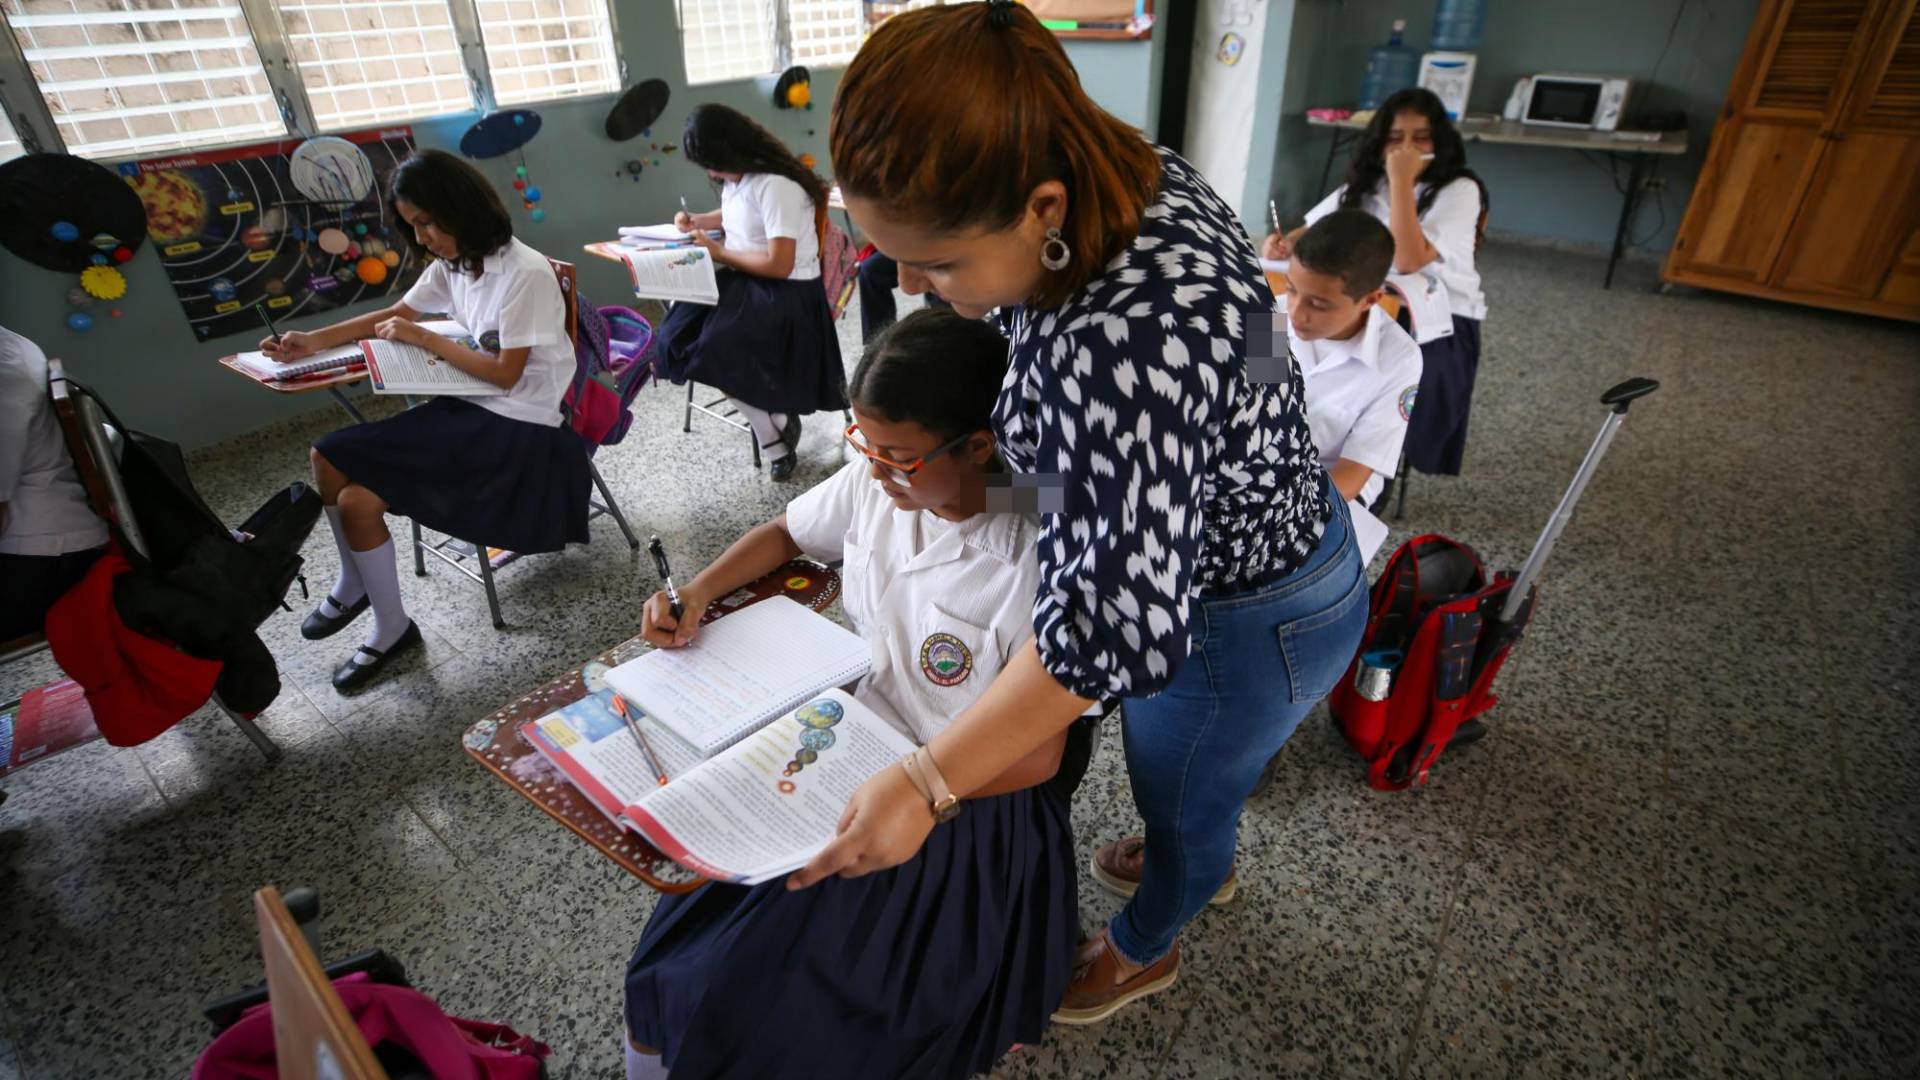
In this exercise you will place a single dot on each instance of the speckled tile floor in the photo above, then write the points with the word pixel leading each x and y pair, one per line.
pixel 1688 848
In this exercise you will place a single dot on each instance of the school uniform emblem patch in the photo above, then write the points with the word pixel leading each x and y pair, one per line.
pixel 1406 401
pixel 945 660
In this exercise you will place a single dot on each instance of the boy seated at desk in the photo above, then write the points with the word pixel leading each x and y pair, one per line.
pixel 934 968
pixel 1361 370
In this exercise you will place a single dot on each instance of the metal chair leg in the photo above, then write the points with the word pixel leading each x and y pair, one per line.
pixel 266 746
pixel 419 553
pixel 486 578
pixel 1406 480
pixel 613 508
pixel 686 420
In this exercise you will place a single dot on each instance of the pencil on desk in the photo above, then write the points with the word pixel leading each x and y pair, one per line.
pixel 639 737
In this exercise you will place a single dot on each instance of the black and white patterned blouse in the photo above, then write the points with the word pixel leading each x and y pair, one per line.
pixel 1180 475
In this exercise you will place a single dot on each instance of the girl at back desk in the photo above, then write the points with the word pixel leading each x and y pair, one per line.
pixel 1410 171
pixel 501 471
pixel 769 343
pixel 935 968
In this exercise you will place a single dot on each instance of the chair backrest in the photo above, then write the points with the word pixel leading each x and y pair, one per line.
pixel 313 1034
pixel 839 263
pixel 88 443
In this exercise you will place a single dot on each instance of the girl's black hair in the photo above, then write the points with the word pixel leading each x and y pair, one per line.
pixel 934 368
pixel 458 199
pixel 1368 169
pixel 727 140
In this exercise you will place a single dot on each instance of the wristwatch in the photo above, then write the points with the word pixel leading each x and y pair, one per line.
pixel 925 776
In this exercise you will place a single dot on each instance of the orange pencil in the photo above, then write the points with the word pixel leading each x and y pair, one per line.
pixel 640 737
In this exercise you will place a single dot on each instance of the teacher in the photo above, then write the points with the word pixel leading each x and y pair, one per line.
pixel 1196 565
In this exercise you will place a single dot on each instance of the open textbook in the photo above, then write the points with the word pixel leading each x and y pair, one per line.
pixel 741 672
pixel 399 368
pixel 672 273
pixel 766 806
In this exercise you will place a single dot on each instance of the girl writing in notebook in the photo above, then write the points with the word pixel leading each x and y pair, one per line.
pixel 769 343
pixel 504 471
pixel 937 967
pixel 1410 171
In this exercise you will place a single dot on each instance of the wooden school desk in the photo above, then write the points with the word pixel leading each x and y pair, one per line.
pixel 495 741
pixel 1641 154
pixel 332 384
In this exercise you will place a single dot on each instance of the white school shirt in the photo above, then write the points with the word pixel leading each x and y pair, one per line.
pixel 761 206
pixel 943 604
pixel 47 511
pixel 514 303
pixel 1360 394
pixel 1449 225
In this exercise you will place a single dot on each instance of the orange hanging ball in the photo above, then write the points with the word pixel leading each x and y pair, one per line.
pixel 809 160
pixel 799 95
pixel 372 270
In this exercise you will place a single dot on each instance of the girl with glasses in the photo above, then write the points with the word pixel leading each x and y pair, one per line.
pixel 936 967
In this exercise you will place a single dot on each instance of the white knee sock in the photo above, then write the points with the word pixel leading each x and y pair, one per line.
pixel 382 582
pixel 766 428
pixel 347 588
pixel 643 1066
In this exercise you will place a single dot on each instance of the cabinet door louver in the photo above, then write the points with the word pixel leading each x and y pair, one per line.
pixel 1812 55
pixel 1896 101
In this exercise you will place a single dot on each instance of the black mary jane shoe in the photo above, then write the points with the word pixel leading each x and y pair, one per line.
pixel 320 625
pixel 783 467
pixel 790 432
pixel 351 676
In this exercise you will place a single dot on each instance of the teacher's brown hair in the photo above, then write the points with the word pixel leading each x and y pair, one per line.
pixel 952 117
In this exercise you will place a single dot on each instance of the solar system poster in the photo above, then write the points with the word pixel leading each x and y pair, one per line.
pixel 301 226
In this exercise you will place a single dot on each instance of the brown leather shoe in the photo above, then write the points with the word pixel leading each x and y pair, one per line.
pixel 1098 991
pixel 1117 867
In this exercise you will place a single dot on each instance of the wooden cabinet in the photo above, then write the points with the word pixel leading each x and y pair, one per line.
pixel 1811 189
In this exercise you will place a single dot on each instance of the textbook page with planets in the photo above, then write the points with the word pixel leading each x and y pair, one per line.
pixel 676 273
pixel 767 805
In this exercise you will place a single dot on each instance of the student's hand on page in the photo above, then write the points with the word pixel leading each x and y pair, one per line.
pixel 885 824
pixel 293 345
pixel 660 628
pixel 402 330
pixel 1276 247
pixel 683 221
pixel 1403 163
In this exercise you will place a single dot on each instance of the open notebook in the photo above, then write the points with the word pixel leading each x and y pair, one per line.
pixel 339 358
pixel 742 672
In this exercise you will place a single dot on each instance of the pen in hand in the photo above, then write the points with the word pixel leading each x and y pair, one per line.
pixel 266 317
pixel 659 552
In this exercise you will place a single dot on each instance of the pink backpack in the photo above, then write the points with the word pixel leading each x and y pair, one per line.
pixel 448 1047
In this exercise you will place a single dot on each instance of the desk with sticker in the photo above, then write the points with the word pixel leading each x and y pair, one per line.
pixel 495 741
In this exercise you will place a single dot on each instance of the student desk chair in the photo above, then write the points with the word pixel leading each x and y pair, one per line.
pixel 839 275
pixel 94 458
pixel 455 552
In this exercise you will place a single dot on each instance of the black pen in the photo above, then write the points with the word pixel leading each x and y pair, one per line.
pixel 659 551
pixel 268 319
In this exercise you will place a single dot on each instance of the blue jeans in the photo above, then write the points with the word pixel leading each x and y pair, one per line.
pixel 1259 661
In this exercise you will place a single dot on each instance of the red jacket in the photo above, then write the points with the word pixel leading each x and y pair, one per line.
pixel 138 686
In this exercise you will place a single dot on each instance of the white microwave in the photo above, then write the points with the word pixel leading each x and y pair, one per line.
pixel 1595 102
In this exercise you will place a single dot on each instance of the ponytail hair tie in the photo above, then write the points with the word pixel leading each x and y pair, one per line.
pixel 1000 14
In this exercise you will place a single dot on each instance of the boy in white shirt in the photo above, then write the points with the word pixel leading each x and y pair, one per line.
pixel 1361 370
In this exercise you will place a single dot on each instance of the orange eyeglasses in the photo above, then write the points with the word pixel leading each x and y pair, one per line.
pixel 904 470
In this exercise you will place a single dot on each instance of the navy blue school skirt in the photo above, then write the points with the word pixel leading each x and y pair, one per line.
pixel 471 473
pixel 932 969
pixel 768 343
pixel 1437 430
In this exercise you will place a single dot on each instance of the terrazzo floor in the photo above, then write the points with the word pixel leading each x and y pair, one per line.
pixel 1690 846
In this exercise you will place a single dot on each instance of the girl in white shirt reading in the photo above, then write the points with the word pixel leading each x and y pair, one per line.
pixel 501 471
pixel 1410 171
pixel 769 343
pixel 936 967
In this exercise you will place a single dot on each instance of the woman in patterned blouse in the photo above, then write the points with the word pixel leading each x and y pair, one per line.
pixel 1192 562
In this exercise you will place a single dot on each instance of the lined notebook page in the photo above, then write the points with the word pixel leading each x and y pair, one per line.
pixel 259 363
pixel 741 672
pixel 399 368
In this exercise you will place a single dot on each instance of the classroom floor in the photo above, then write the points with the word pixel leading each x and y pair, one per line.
pixel 1690 846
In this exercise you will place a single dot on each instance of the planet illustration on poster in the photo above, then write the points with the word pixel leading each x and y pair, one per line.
pixel 330 170
pixel 176 207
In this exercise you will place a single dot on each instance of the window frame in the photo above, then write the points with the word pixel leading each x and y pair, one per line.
pixel 26 108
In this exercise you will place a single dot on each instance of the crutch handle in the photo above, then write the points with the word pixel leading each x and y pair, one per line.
pixel 1624 394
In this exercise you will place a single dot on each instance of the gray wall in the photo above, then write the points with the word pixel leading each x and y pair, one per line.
pixel 159 378
pixel 1556 194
